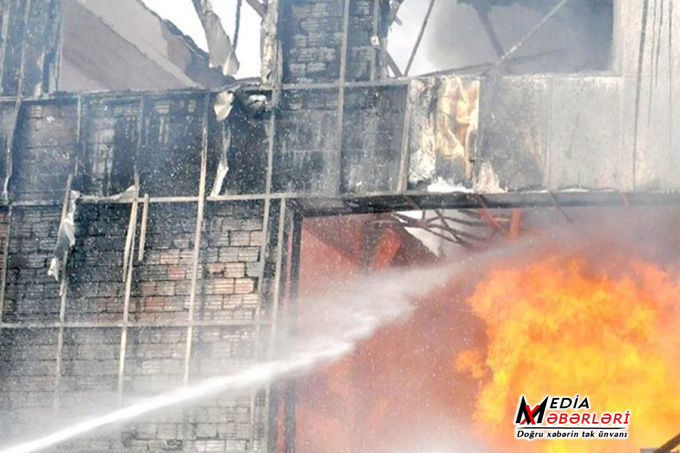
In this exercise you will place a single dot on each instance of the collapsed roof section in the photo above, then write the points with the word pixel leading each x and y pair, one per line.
pixel 95 45
pixel 222 51
pixel 124 45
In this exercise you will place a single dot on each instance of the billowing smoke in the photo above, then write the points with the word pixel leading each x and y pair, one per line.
pixel 577 38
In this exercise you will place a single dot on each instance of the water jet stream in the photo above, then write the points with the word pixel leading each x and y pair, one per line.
pixel 350 318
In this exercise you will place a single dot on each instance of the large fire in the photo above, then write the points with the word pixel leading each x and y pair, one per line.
pixel 596 320
pixel 606 327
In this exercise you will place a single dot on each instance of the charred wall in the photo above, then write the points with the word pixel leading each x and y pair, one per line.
pixel 315 32
pixel 29 46
pixel 331 139
pixel 61 352
pixel 91 337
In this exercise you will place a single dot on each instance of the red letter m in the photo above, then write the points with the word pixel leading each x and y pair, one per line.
pixel 532 416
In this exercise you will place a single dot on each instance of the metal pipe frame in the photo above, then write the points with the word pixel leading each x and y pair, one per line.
pixel 129 275
pixel 341 91
pixel 63 289
pixel 388 201
pixel 133 95
pixel 277 224
pixel 131 324
pixel 293 277
pixel 264 235
pixel 419 39
pixel 197 238
pixel 128 265
pixel 5 263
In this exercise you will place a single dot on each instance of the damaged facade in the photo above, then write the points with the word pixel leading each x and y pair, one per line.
pixel 188 221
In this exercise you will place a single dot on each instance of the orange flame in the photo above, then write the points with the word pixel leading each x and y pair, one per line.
pixel 573 325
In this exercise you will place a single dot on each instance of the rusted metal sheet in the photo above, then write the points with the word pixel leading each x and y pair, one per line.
pixel 443 131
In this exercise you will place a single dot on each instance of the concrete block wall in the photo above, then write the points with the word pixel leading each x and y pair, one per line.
pixel 162 281
pixel 30 294
pixel 49 143
pixel 227 422
pixel 312 40
pixel 230 280
pixel 312 32
pixel 61 370
pixel 88 379
pixel 3 235
pixel 364 20
pixel 82 372
pixel 308 151
pixel 64 374
pixel 154 363
pixel 154 360
pixel 28 381
pixel 372 139
pixel 95 265
pixel 230 261
pixel 169 158
pixel 312 157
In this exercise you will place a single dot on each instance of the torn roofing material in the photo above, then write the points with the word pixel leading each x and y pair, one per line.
pixel 198 68
pixel 219 45
pixel 66 237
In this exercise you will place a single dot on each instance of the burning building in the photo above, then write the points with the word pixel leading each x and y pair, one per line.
pixel 169 227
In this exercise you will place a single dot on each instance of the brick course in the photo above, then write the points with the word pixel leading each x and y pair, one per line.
pixel 227 290
pixel 225 262
pixel 162 281
pixel 31 295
